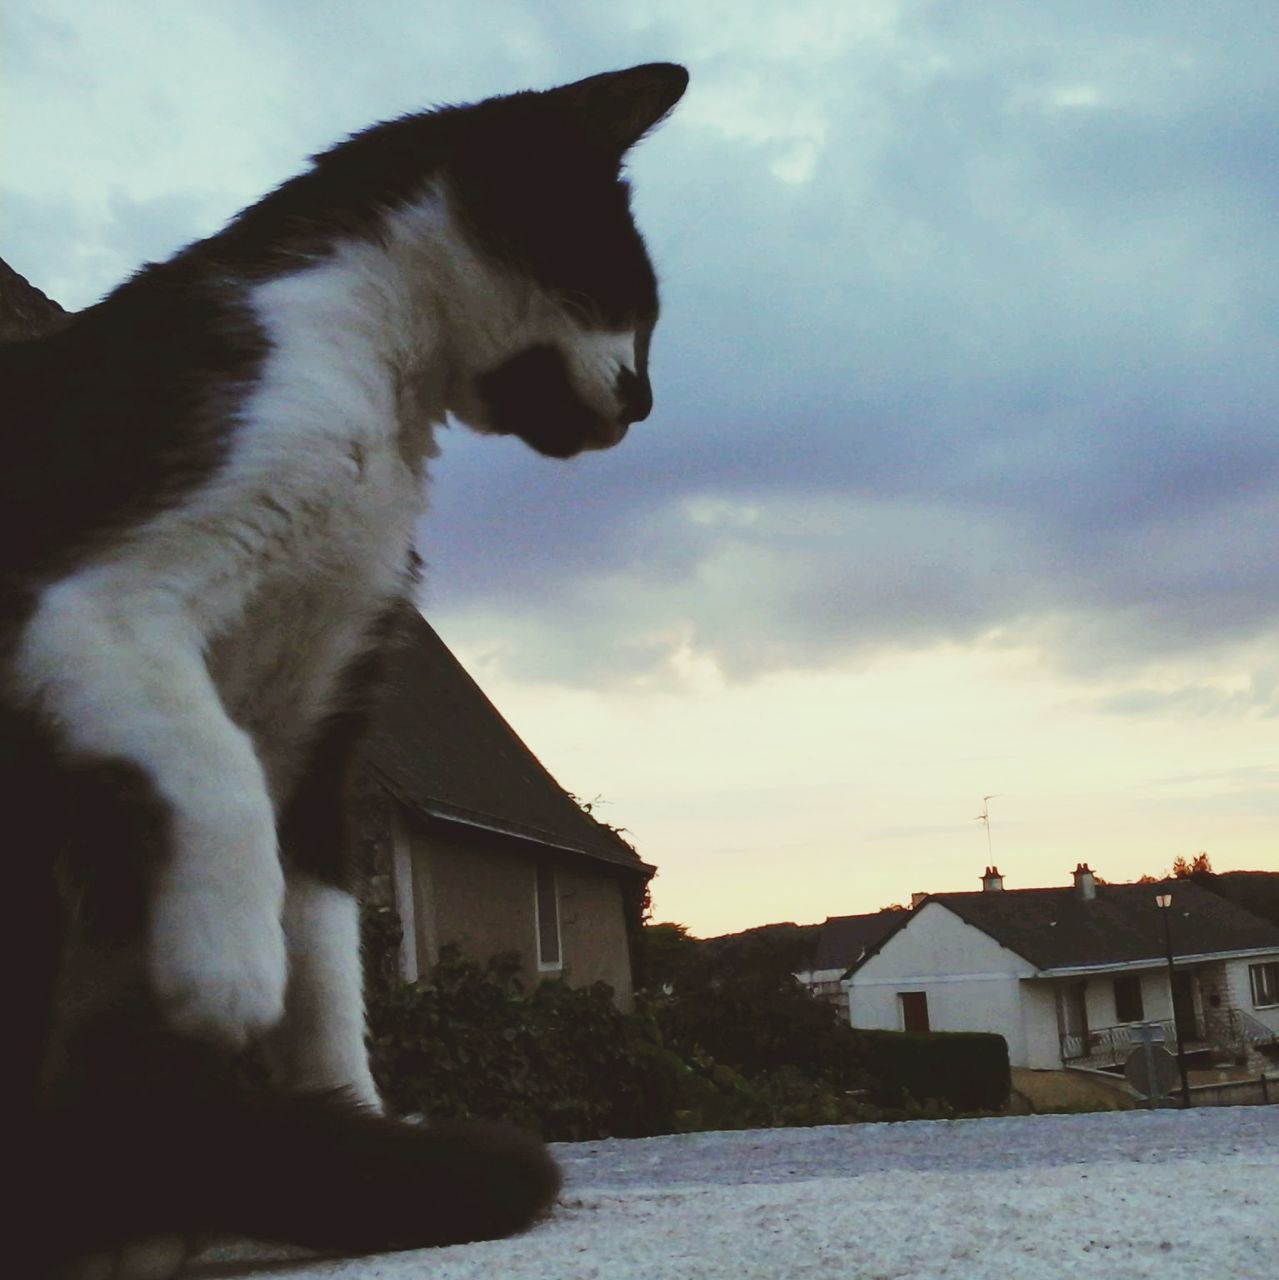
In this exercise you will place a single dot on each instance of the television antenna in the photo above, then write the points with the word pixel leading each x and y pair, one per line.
pixel 984 817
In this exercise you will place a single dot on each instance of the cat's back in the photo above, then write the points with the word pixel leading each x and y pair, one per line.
pixel 116 414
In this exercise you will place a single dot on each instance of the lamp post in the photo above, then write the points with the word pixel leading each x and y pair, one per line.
pixel 1163 901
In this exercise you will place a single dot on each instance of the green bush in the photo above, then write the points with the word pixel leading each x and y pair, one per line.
pixel 472 1043
pixel 963 1070
pixel 761 1024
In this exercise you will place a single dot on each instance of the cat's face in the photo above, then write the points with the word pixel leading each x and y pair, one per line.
pixel 557 334
pixel 561 382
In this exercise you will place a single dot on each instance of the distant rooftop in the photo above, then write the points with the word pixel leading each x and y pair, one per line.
pixel 845 939
pixel 1058 929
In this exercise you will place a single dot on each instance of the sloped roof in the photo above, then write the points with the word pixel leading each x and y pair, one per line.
pixel 444 749
pixel 24 311
pixel 845 939
pixel 1056 929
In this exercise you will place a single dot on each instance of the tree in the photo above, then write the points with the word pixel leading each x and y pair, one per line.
pixel 1199 865
pixel 671 956
pixel 1197 868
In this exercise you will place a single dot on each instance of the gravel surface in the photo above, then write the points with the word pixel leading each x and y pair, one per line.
pixel 1130 1195
pixel 934 1146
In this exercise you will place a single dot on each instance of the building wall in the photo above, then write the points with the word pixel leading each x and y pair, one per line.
pixel 1241 990
pixel 1229 981
pixel 593 928
pixel 827 985
pixel 1040 1009
pixel 972 983
pixel 478 892
pixel 1041 1037
pixel 1156 997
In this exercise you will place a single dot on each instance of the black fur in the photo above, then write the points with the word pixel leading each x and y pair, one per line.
pixel 185 1147
pixel 314 827
pixel 521 390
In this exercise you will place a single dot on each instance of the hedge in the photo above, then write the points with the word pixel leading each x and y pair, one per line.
pixel 965 1070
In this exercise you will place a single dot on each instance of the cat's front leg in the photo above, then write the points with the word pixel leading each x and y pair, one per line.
pixel 122 676
pixel 319 1044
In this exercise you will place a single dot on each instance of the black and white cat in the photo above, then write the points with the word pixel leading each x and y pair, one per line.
pixel 210 486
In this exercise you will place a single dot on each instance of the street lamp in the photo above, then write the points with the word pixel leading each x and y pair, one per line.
pixel 1163 901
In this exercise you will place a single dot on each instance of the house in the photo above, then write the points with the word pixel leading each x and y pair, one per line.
pixel 1065 974
pixel 472 841
pixel 841 944
pixel 476 843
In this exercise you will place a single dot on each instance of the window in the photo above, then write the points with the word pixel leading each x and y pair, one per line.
pixel 914 1010
pixel 547 899
pixel 1265 983
pixel 1128 1005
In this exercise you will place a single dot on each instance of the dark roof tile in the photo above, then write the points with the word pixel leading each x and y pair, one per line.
pixel 845 939
pixel 1056 929
pixel 444 749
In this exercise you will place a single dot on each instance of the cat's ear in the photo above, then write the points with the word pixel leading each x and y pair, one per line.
pixel 620 107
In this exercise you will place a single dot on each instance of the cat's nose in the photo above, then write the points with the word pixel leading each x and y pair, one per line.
pixel 635 396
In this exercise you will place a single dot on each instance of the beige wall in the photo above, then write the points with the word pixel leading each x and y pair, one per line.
pixel 479 892
pixel 593 927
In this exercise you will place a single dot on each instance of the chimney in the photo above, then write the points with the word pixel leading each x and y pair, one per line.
pixel 916 899
pixel 1085 883
pixel 992 881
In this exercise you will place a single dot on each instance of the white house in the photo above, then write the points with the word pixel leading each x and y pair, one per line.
pixel 1064 974
pixel 842 942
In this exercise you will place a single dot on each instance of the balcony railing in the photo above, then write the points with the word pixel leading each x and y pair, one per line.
pixel 1109 1046
pixel 1246 1029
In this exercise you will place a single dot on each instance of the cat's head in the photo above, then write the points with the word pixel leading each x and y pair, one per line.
pixel 550 341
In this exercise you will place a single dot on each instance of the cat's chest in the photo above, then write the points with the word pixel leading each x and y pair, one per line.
pixel 288 557
pixel 324 549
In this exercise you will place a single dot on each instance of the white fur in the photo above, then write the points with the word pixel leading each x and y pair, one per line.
pixel 121 671
pixel 207 646
pixel 320 1042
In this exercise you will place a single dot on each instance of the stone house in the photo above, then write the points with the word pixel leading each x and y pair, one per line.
pixel 477 845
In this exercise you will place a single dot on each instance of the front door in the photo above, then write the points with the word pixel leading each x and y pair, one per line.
pixel 1072 1019
pixel 1183 1005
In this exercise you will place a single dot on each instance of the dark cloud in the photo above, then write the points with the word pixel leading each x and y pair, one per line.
pixel 1022 342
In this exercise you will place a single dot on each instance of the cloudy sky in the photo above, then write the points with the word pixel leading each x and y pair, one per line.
pixel 963 479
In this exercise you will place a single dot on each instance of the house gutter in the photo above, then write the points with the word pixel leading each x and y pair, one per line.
pixel 533 836
pixel 512 831
pixel 1160 962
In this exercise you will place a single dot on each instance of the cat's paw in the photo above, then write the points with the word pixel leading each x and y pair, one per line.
pixel 220 979
pixel 217 949
pixel 160 1258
